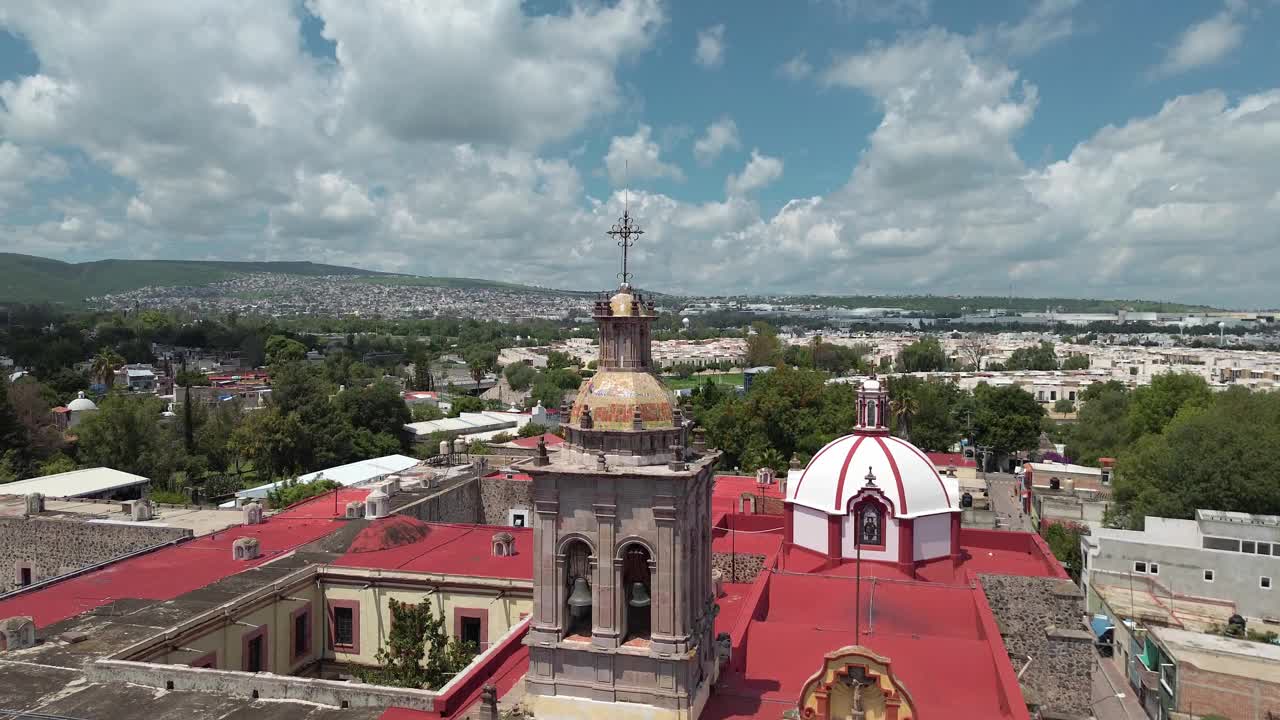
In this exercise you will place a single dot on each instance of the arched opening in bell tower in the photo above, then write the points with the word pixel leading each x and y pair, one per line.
pixel 637 596
pixel 578 590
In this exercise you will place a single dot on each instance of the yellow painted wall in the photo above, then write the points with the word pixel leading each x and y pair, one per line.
pixel 375 626
pixel 374 621
pixel 228 640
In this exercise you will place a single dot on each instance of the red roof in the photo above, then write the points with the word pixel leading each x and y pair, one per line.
pixel 450 549
pixel 532 442
pixel 943 460
pixel 165 574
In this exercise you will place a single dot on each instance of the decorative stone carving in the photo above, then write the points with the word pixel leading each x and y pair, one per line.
pixel 245 548
pixel 17 633
pixel 252 514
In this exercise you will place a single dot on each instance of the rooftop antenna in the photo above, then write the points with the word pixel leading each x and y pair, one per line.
pixel 626 233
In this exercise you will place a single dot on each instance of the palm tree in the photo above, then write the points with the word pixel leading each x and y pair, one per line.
pixel 104 366
pixel 904 408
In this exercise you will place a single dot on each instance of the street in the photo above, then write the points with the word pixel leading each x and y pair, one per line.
pixel 1003 490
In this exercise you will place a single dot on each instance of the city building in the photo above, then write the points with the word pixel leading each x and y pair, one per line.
pixel 1232 558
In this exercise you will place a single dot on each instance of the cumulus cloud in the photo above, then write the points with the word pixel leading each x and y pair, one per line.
pixel 239 144
pixel 760 171
pixel 884 11
pixel 709 52
pixel 797 68
pixel 1205 43
pixel 637 157
pixel 1048 22
pixel 720 135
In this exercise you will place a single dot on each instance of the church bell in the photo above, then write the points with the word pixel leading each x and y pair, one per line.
pixel 639 595
pixel 580 598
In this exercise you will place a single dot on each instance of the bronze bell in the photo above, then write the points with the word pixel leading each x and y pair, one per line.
pixel 639 595
pixel 580 598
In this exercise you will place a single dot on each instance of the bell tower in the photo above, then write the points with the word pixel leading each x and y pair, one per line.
pixel 623 604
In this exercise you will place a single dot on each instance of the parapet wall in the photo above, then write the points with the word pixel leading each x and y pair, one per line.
pixel 53 546
pixel 459 503
pixel 1040 621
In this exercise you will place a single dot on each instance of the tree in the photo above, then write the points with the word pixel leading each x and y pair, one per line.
pixel 532 429
pixel 1155 405
pixel 281 349
pixel 417 633
pixel 557 360
pixel 425 412
pixel 923 355
pixel 1037 357
pixel 125 434
pixel 104 366
pixel 423 378
pixel 904 408
pixel 1064 540
pixel 1101 427
pixel 1219 456
pixel 292 491
pixel 58 463
pixel 465 403
pixel 15 444
pixel 481 361
pixel 1006 418
pixel 519 376
pixel 1076 362
pixel 377 408
pixel 273 440
pixel 788 410
pixel 973 350
pixel 1063 405
pixel 763 345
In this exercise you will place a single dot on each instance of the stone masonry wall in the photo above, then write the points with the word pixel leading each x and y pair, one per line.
pixel 458 503
pixel 1040 618
pixel 748 566
pixel 499 495
pixel 53 547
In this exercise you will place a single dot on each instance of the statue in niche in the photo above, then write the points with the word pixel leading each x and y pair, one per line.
pixel 871 529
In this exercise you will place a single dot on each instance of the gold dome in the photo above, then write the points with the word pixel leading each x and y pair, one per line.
pixel 613 397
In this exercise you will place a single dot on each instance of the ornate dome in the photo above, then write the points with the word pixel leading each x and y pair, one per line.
pixel 613 397
pixel 81 403
pixel 907 478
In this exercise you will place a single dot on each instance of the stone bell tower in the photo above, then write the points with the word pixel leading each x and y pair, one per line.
pixel 623 604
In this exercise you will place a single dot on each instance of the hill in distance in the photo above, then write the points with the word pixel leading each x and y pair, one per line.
pixel 31 279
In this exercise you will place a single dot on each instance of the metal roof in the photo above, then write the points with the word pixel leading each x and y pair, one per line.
pixel 76 483
pixel 354 473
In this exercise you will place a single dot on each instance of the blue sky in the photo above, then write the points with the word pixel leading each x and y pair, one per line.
pixel 1063 147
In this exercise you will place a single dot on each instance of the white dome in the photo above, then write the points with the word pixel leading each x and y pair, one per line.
pixel 907 478
pixel 81 403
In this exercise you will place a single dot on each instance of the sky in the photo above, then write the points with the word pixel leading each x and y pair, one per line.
pixel 1039 148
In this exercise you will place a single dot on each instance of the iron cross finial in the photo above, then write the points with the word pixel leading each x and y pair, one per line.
pixel 626 233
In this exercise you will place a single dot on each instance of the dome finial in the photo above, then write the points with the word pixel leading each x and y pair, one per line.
pixel 871 477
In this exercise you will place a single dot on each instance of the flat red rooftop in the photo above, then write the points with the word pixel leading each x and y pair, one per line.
pixel 167 573
pixel 444 548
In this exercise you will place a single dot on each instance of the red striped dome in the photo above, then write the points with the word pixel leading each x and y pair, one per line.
pixel 902 472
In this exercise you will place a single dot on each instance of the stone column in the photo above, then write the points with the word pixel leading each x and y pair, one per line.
pixel 604 610
pixel 547 581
